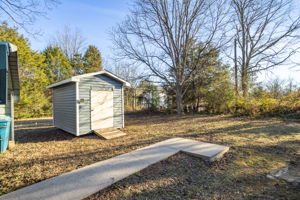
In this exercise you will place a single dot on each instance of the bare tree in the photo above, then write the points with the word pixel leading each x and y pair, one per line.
pixel 24 12
pixel 69 40
pixel 266 33
pixel 275 88
pixel 128 72
pixel 291 86
pixel 131 73
pixel 160 34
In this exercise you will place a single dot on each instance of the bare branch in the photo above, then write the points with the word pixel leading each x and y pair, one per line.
pixel 160 35
pixel 23 12
pixel 267 35
pixel 69 40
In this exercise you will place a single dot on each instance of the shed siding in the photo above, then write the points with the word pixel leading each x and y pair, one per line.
pixel 98 82
pixel 64 107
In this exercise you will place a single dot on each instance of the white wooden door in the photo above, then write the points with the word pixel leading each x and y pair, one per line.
pixel 101 109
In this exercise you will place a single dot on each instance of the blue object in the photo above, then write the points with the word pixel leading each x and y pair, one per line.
pixel 4 132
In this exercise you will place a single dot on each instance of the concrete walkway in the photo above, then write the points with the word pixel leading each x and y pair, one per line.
pixel 88 180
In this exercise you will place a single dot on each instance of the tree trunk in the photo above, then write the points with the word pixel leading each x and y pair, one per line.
pixel 198 105
pixel 179 99
pixel 245 83
pixel 236 87
pixel 235 70
pixel 134 99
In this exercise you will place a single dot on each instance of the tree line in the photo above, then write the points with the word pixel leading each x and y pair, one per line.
pixel 202 53
pixel 212 90
pixel 53 64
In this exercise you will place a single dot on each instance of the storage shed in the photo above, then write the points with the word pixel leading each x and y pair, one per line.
pixel 89 102
pixel 9 84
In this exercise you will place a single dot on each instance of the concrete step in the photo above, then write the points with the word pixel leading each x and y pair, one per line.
pixel 109 133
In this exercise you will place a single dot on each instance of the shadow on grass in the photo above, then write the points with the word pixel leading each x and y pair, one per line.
pixel 41 135
pixel 40 130
pixel 76 156
pixel 288 149
pixel 160 118
pixel 185 177
pixel 33 124
pixel 271 129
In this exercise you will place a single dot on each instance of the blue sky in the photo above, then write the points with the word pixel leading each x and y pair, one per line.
pixel 95 18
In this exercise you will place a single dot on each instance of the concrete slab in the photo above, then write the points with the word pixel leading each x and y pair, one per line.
pixel 207 151
pixel 290 173
pixel 176 143
pixel 154 154
pixel 85 181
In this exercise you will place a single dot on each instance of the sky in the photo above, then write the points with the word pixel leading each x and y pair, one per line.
pixel 95 18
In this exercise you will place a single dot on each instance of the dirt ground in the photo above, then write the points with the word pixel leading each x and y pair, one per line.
pixel 258 146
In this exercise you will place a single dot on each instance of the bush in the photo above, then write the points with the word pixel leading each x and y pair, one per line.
pixel 266 106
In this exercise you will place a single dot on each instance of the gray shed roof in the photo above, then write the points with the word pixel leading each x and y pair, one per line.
pixel 77 79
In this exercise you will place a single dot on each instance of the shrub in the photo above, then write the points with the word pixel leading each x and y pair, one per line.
pixel 267 106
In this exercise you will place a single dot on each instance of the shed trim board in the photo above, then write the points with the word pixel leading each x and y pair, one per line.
pixel 123 104
pixel 77 109
pixel 12 114
pixel 77 79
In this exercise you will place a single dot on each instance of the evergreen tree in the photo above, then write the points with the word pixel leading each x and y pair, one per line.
pixel 33 78
pixel 77 64
pixel 207 72
pixel 58 66
pixel 92 60
pixel 150 95
pixel 209 85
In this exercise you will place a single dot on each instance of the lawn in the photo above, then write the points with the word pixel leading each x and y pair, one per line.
pixel 258 146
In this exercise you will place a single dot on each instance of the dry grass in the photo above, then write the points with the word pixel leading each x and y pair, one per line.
pixel 258 147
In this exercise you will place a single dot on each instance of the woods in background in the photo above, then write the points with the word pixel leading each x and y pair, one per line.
pixel 171 38
pixel 183 56
pixel 39 69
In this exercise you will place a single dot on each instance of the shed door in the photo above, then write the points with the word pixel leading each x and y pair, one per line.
pixel 101 109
